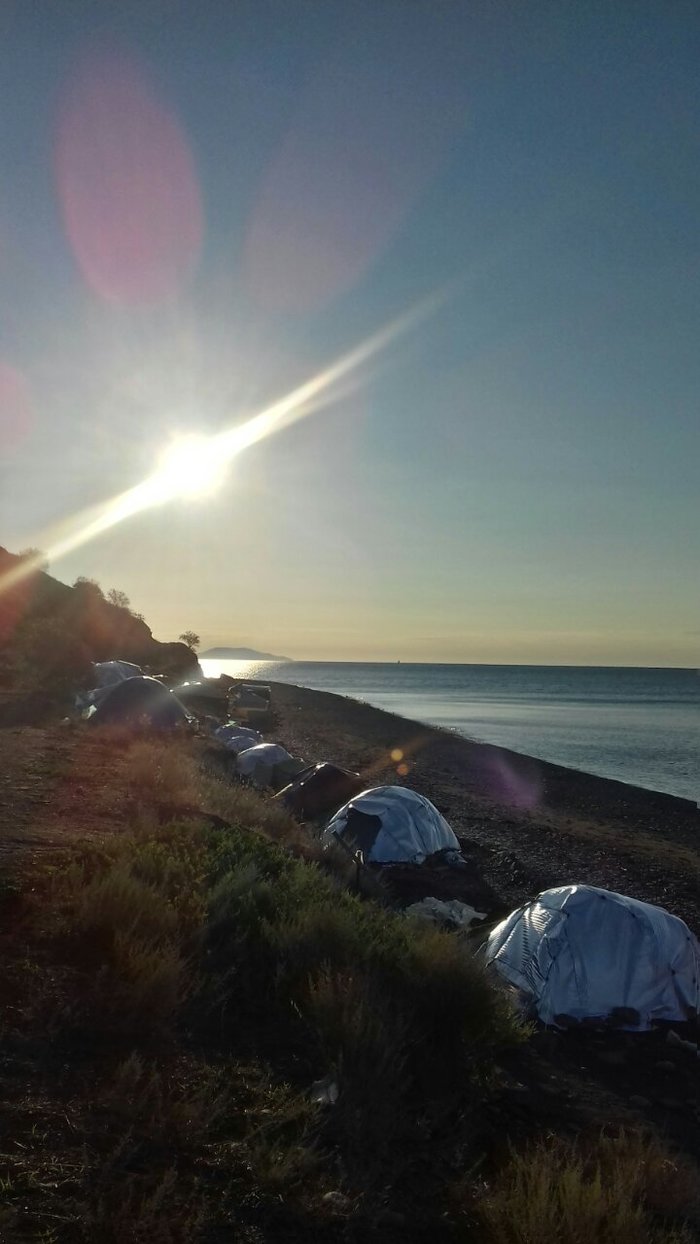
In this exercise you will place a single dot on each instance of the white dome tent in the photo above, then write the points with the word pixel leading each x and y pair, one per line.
pixel 237 738
pixel 391 825
pixel 581 953
pixel 260 754
pixel 108 673
pixel 268 764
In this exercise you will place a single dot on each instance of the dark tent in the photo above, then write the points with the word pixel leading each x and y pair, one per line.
pixel 320 791
pixel 140 701
pixel 207 697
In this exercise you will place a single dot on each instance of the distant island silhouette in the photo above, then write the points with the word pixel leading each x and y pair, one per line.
pixel 239 654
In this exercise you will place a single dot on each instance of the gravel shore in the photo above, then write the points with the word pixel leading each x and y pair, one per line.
pixel 524 823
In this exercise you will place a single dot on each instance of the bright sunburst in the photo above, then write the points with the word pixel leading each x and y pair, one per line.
pixel 194 466
pixel 191 466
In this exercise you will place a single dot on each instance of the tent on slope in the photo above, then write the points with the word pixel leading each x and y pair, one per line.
pixel 237 738
pixel 319 790
pixel 584 954
pixel 392 825
pixel 268 764
pixel 108 673
pixel 105 675
pixel 140 701
pixel 205 696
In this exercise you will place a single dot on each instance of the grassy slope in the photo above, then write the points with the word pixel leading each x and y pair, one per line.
pixel 173 985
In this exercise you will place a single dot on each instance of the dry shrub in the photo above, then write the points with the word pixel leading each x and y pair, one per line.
pixel 365 1047
pixel 163 771
pixel 243 806
pixel 621 1190
pixel 181 1107
pixel 143 987
pixel 133 914
pixel 144 1208
pixel 279 1147
pixel 117 902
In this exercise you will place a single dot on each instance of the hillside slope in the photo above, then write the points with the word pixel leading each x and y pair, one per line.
pixel 46 623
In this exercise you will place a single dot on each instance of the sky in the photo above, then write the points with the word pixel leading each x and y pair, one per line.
pixel 202 205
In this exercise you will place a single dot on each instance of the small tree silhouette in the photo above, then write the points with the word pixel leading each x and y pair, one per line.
pixel 118 598
pixel 191 638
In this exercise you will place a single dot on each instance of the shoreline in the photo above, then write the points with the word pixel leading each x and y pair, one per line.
pixel 642 732
pixel 526 824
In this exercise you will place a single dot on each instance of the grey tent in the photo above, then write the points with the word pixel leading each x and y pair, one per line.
pixel 140 701
pixel 579 953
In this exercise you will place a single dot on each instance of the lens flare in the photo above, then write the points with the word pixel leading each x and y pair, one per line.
pixel 196 465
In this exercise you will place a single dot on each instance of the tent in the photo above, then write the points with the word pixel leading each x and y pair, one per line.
pixel 108 673
pixel 319 790
pixel 237 738
pixel 581 953
pixel 206 696
pixel 105 675
pixel 140 701
pixel 392 825
pixel 268 764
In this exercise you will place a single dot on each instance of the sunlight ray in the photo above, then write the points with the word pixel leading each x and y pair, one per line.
pixel 195 465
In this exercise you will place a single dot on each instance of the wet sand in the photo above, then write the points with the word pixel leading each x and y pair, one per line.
pixel 526 824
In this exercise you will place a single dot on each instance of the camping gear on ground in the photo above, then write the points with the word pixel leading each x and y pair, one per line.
pixel 268 764
pixel 259 689
pixel 140 701
pixel 391 824
pixel 237 738
pixel 319 791
pixel 206 696
pixel 251 702
pixel 581 954
pixel 447 914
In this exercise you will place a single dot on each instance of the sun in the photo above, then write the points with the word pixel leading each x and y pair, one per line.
pixel 191 466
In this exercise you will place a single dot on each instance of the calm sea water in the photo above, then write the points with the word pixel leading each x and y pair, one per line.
pixel 637 725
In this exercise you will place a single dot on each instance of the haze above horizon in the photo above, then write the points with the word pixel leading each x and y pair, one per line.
pixel 197 216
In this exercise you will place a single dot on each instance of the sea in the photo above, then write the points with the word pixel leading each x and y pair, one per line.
pixel 637 725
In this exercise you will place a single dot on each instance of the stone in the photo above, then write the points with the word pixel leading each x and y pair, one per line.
pixel 336 1200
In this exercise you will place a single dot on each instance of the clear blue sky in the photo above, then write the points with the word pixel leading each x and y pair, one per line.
pixel 202 204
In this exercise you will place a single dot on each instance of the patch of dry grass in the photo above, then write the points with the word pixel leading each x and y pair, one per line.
pixel 626 1189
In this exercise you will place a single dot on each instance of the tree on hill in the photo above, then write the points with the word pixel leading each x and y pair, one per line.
pixel 118 598
pixel 191 638
pixel 88 587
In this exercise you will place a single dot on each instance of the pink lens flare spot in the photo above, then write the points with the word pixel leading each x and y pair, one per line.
pixel 126 183
pixel 356 157
pixel 16 415
pixel 519 787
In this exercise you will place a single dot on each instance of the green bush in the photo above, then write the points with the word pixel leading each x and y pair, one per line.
pixel 401 1016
